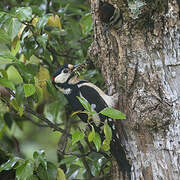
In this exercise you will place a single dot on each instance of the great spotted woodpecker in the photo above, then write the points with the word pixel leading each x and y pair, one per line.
pixel 66 81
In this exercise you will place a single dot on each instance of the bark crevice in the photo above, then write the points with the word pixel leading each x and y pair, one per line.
pixel 142 64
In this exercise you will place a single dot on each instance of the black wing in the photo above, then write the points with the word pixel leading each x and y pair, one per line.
pixel 93 97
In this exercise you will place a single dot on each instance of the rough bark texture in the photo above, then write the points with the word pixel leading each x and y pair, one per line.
pixel 141 61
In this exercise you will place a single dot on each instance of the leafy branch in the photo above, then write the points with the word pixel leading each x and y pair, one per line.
pixel 94 136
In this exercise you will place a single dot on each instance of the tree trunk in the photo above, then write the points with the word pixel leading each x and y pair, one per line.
pixel 141 61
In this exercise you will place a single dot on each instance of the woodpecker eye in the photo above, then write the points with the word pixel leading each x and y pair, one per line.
pixel 65 71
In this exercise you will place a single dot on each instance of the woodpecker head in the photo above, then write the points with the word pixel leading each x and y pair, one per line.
pixel 63 74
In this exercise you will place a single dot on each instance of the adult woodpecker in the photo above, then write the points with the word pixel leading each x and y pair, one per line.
pixel 66 81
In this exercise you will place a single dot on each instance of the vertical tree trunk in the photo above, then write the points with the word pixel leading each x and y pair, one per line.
pixel 141 61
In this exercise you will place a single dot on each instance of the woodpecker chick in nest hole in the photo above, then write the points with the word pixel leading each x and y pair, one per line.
pixel 110 16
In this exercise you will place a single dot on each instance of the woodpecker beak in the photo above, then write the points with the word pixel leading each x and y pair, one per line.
pixel 71 67
pixel 74 67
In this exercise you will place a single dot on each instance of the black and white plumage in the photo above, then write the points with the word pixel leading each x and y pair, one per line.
pixel 67 82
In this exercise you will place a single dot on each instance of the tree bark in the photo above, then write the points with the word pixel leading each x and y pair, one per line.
pixel 141 61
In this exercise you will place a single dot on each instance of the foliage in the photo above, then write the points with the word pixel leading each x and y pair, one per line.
pixel 95 136
pixel 36 37
pixel 33 169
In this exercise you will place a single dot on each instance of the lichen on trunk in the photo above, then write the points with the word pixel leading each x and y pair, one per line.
pixel 140 61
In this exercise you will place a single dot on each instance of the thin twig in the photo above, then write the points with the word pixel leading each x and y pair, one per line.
pixel 47 6
pixel 54 52
pixel 74 154
pixel 52 125
pixel 81 149
pixel 26 117
pixel 83 39
pixel 39 116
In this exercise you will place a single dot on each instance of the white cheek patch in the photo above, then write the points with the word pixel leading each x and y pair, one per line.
pixel 62 78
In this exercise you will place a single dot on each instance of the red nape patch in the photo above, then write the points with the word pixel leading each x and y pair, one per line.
pixel 52 79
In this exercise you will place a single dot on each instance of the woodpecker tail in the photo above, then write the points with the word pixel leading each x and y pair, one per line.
pixel 119 154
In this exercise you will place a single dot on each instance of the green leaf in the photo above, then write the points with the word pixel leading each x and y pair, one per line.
pixel 40 158
pixel 60 174
pixel 85 103
pixel 4 37
pixel 33 177
pixel 38 154
pixel 15 47
pixel 106 145
pixel 7 57
pixel 9 164
pixel 4 73
pixel 24 171
pixel 43 40
pixel 2 124
pixel 9 118
pixel 51 171
pixel 68 160
pixel 51 89
pixel 29 89
pixel 97 141
pixel 86 24
pixel 113 113
pixel 91 135
pixel 42 172
pixel 73 172
pixel 14 103
pixel 77 136
pixel 21 110
pixel 24 13
pixel 6 83
pixel 107 132
pixel 13 75
pixel 42 22
pixel 13 27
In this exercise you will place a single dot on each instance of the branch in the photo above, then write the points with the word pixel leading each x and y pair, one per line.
pixel 83 39
pixel 81 149
pixel 74 154
pixel 54 52
pixel 50 124
pixel 39 116
pixel 34 122
pixel 43 59
pixel 47 6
